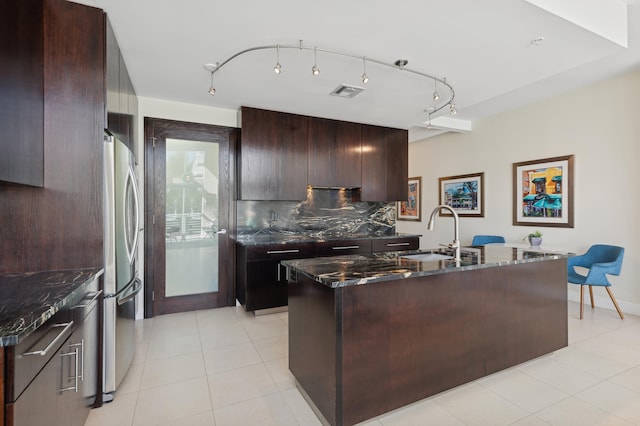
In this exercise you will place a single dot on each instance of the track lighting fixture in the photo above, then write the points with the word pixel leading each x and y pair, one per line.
pixel 315 70
pixel 365 77
pixel 212 90
pixel 401 64
pixel 436 95
pixel 278 68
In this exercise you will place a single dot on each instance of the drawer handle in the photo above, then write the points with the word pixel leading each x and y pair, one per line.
pixel 44 351
pixel 283 251
pixel 87 304
pixel 397 244
pixel 345 247
pixel 75 377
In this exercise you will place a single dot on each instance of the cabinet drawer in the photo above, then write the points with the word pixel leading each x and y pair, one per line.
pixel 342 247
pixel 30 355
pixel 280 251
pixel 395 244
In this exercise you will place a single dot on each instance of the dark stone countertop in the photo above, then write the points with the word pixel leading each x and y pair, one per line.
pixel 281 238
pixel 342 271
pixel 30 299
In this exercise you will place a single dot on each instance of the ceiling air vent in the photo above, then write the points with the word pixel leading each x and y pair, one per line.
pixel 347 91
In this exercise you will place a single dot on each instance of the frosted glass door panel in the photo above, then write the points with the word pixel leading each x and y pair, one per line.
pixel 191 217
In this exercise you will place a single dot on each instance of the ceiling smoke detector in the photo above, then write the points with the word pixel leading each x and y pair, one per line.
pixel 346 91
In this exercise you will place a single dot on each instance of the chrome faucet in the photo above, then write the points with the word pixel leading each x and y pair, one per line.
pixel 455 245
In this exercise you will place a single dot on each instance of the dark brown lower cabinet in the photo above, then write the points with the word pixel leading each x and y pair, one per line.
pixel 65 389
pixel 261 282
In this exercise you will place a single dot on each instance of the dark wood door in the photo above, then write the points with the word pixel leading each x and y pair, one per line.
pixel 273 156
pixel 334 153
pixel 189 216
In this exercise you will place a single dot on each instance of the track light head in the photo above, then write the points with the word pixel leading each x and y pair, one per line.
pixel 365 78
pixel 212 90
pixel 315 70
pixel 452 109
pixel 278 68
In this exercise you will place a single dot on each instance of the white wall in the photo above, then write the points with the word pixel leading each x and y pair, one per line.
pixel 157 108
pixel 599 125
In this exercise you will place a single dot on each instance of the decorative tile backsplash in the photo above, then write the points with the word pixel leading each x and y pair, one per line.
pixel 325 213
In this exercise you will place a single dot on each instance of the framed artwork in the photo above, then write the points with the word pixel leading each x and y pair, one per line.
pixel 412 208
pixel 463 193
pixel 543 192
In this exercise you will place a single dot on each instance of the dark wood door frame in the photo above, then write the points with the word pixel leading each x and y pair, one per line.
pixel 155 132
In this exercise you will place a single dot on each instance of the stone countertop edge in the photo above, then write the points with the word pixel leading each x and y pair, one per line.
pixel 265 239
pixel 343 271
pixel 29 299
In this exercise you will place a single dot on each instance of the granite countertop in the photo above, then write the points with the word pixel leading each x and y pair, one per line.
pixel 282 238
pixel 30 299
pixel 342 271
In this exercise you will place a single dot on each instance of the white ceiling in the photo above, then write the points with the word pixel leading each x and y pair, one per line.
pixel 482 47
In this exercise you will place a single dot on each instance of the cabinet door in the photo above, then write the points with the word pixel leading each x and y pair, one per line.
pixel 273 156
pixel 384 164
pixel 266 285
pixel 85 342
pixel 21 92
pixel 335 158
pixel 43 403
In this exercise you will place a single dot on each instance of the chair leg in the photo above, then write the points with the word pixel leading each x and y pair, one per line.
pixel 591 295
pixel 581 301
pixel 613 299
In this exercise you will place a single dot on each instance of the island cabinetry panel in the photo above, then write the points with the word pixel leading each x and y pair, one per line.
pixel 395 244
pixel 396 342
pixel 261 281
pixel 385 162
pixel 272 156
pixel 335 158
pixel 343 247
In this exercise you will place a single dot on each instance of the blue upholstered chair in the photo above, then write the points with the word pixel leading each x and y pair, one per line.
pixel 480 240
pixel 601 260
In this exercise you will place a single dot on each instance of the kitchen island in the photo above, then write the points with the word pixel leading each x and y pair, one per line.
pixel 369 334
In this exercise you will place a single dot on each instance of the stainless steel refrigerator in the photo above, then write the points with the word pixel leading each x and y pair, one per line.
pixel 121 283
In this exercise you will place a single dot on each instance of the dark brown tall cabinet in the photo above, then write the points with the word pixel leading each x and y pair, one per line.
pixel 59 111
pixel 385 159
pixel 272 156
pixel 335 158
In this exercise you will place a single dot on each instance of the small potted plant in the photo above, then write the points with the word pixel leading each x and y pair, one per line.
pixel 535 238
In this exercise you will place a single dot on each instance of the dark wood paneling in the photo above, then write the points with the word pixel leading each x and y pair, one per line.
pixel 395 244
pixel 273 156
pixel 343 247
pixel 61 225
pixel 313 344
pixel 384 164
pixel 334 153
pixel 400 342
pixel 21 92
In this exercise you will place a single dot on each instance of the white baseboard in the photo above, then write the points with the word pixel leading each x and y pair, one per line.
pixel 603 300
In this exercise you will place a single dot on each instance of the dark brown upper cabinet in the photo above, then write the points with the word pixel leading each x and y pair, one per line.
pixel 385 161
pixel 272 156
pixel 22 75
pixel 335 158
pixel 122 102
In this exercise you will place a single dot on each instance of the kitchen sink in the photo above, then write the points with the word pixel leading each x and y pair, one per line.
pixel 424 257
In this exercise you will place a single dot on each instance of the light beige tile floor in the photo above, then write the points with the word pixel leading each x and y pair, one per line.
pixel 227 367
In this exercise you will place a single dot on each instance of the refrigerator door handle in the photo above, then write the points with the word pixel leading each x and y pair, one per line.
pixel 131 182
pixel 137 286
